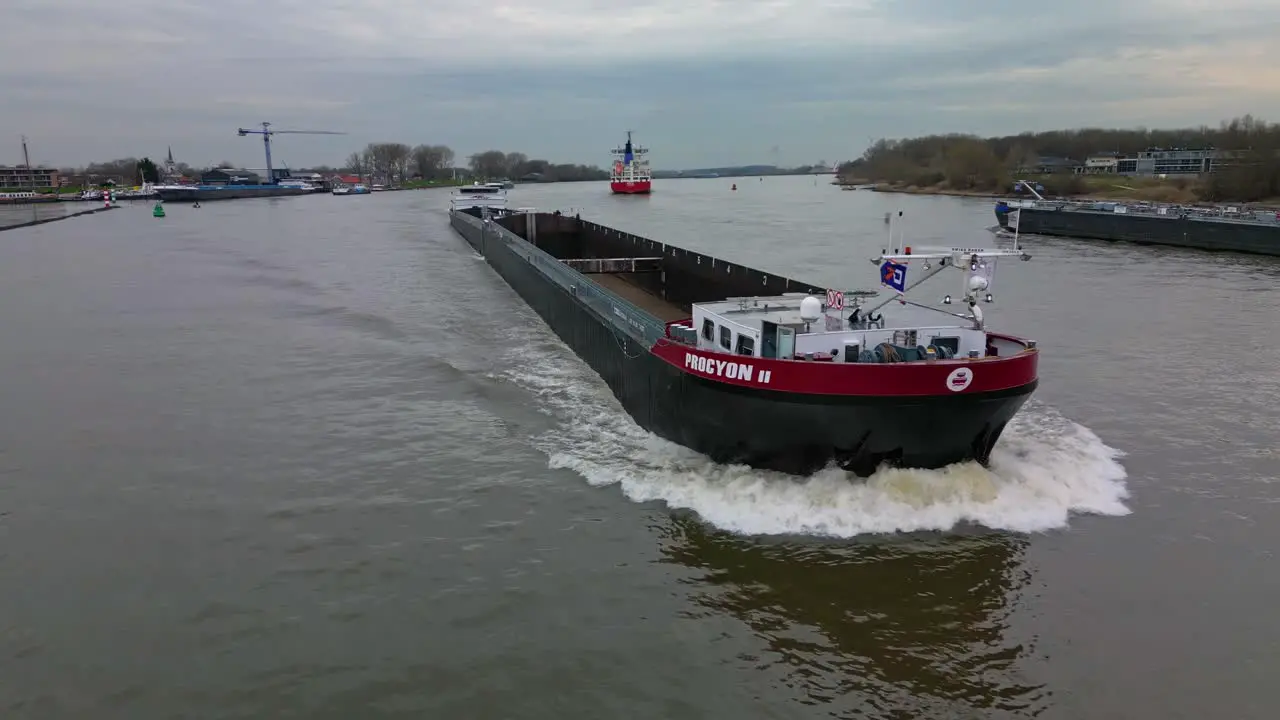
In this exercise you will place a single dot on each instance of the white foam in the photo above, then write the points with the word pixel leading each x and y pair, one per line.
pixel 1044 468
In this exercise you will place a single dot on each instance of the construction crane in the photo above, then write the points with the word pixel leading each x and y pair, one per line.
pixel 266 132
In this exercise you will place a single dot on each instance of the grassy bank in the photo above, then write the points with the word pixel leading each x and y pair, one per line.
pixel 424 184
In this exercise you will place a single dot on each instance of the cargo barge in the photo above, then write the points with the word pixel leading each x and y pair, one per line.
pixel 751 367
pixel 204 193
pixel 1256 232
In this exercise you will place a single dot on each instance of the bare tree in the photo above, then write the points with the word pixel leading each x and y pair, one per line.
pixel 489 164
pixel 356 165
pixel 446 157
pixel 432 161
pixel 516 162
pixel 399 156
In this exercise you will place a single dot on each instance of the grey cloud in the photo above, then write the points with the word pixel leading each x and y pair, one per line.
pixel 188 74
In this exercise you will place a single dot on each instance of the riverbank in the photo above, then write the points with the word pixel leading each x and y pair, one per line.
pixel 42 221
pixel 1176 191
pixel 428 184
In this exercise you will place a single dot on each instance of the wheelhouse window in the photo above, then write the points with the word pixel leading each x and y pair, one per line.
pixel 726 337
pixel 708 331
pixel 746 345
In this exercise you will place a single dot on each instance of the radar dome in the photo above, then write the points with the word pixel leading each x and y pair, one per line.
pixel 810 309
pixel 977 282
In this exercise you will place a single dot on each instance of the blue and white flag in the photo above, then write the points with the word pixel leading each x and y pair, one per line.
pixel 893 275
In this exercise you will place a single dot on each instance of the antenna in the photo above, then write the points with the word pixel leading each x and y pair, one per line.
pixel 894 244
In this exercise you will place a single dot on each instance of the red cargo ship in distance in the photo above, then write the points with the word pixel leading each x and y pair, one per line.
pixel 749 367
pixel 630 175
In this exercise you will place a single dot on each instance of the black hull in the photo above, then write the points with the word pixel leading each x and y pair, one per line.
pixel 801 434
pixel 788 432
pixel 1247 237
pixel 200 195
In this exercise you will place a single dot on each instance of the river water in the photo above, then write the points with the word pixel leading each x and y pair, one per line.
pixel 11 215
pixel 310 457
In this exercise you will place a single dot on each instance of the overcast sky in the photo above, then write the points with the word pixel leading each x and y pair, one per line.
pixel 702 82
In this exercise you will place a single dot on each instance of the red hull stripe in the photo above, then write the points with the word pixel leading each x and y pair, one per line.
pixel 641 186
pixel 945 378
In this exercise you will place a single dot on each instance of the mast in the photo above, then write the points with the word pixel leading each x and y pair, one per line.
pixel 978 265
pixel 630 152
pixel 1028 186
pixel 26 162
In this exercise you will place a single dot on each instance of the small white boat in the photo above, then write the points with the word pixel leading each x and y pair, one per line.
pixel 297 184
pixel 356 189
pixel 489 195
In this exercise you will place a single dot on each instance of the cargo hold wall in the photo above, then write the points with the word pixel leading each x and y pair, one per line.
pixel 686 277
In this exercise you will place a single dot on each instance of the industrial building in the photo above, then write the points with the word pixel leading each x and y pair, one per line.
pixel 226 176
pixel 1153 161
pixel 20 176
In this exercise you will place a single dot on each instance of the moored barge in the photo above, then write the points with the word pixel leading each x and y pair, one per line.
pixel 1230 228
pixel 203 193
pixel 751 367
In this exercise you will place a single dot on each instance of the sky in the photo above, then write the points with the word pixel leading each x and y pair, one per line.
pixel 703 83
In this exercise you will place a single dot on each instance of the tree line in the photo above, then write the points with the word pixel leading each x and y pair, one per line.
pixel 386 161
pixel 516 165
pixel 397 162
pixel 1250 171
pixel 130 169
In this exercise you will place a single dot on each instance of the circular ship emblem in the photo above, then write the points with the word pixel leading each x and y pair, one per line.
pixel 959 379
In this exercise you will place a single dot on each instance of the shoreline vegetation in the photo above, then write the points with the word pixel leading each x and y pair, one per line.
pixel 395 164
pixel 970 166
pixel 433 165
pixel 406 167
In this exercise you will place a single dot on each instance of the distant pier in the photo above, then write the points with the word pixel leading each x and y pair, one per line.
pixel 42 221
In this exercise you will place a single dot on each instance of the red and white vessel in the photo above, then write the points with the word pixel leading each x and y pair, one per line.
pixel 630 174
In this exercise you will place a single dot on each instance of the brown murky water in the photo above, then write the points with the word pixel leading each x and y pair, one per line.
pixel 309 457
